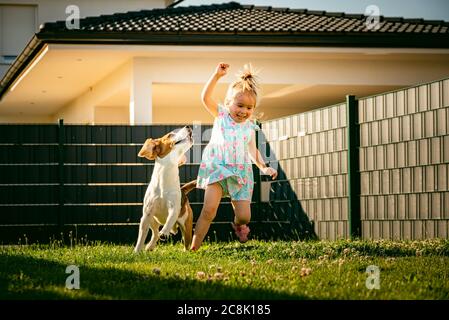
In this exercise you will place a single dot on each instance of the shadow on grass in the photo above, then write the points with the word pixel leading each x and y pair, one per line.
pixel 29 278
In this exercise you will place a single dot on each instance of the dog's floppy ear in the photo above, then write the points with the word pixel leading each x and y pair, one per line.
pixel 149 149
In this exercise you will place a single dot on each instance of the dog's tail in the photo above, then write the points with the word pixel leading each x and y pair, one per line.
pixel 189 186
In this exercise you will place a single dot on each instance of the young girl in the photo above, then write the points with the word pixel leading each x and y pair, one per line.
pixel 226 169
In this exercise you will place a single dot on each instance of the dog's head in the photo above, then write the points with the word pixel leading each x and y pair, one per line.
pixel 169 148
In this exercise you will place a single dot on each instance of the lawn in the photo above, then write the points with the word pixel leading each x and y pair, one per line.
pixel 229 270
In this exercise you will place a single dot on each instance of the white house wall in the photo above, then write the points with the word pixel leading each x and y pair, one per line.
pixel 24 118
pixel 53 10
pixel 151 73
pixel 82 109
pixel 56 10
pixel 162 84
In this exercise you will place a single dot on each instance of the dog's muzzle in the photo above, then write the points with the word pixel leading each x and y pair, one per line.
pixel 188 137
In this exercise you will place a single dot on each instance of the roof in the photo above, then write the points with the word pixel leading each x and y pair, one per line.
pixel 234 18
pixel 235 24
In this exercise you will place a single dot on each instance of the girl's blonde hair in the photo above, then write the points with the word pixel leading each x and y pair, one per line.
pixel 247 82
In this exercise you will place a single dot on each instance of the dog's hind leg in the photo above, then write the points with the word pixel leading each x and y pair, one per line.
pixel 186 229
pixel 154 225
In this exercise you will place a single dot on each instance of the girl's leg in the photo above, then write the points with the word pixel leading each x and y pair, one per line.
pixel 212 198
pixel 242 211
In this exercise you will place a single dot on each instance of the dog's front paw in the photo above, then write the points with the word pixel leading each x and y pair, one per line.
pixel 137 249
pixel 163 236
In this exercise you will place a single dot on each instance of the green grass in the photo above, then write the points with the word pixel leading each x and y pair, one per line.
pixel 255 270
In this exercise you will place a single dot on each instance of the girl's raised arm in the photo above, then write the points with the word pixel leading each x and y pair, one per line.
pixel 206 94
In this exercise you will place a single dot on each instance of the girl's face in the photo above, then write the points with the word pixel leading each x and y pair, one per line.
pixel 242 106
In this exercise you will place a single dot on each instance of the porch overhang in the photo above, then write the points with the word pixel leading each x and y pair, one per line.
pixel 299 77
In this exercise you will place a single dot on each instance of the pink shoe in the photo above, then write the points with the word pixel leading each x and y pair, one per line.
pixel 241 232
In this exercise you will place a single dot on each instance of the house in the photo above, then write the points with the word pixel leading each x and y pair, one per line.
pixel 373 162
pixel 20 19
pixel 149 66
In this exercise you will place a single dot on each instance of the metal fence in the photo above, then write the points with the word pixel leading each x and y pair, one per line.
pixel 310 151
pixel 404 163
pixel 86 182
pixel 373 168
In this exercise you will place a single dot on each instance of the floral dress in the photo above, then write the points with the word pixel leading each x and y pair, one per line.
pixel 226 158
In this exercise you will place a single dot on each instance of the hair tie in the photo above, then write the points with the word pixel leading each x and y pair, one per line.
pixel 246 76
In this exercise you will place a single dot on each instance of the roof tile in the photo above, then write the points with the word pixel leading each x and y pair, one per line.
pixel 246 19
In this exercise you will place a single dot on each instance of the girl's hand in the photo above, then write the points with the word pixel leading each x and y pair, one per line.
pixel 221 69
pixel 270 172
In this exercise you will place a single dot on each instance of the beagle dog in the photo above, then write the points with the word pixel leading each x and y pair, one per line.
pixel 165 202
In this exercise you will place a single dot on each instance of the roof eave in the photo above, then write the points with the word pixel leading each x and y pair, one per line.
pixel 231 38
pixel 20 63
pixel 275 38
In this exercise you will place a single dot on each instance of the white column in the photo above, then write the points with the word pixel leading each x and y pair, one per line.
pixel 140 102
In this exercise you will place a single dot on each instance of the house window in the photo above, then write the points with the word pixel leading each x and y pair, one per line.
pixel 17 26
pixel 7 59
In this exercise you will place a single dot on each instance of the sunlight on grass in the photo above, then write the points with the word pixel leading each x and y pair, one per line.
pixel 255 270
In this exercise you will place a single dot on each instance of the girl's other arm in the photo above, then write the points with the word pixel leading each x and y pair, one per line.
pixel 256 157
pixel 206 94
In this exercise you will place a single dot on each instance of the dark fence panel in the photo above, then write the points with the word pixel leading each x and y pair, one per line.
pixel 79 214
pixel 29 173
pixel 96 189
pixel 28 153
pixel 113 173
pixel 32 194
pixel 27 214
pixel 28 133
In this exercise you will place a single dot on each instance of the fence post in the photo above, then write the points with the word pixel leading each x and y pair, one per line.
pixel 258 179
pixel 61 134
pixel 352 121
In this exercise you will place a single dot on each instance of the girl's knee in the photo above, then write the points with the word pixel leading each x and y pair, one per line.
pixel 209 213
pixel 239 219
pixel 242 211
pixel 242 215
